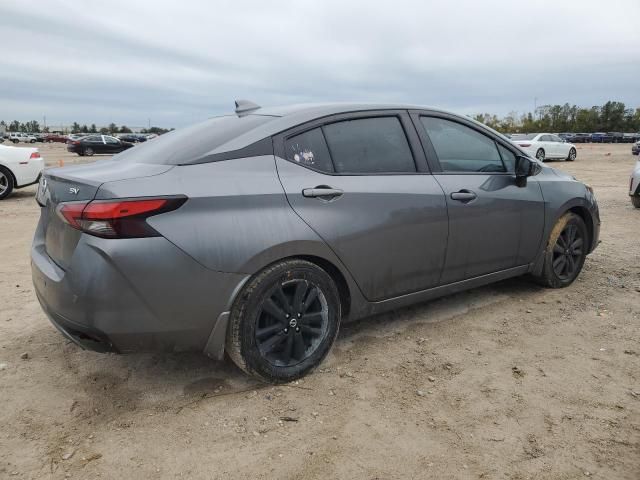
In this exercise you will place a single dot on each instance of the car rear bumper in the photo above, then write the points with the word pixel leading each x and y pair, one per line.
pixel 133 295
pixel 28 172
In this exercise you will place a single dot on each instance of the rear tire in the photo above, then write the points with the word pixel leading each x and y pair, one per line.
pixel 565 253
pixel 284 321
pixel 540 154
pixel 635 201
pixel 6 183
pixel 572 155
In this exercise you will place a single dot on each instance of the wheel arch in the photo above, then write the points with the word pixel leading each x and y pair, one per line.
pixel 329 264
pixel 13 175
pixel 577 206
pixel 215 346
pixel 337 276
pixel 583 213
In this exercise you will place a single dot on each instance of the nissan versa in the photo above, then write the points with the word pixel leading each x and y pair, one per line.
pixel 256 233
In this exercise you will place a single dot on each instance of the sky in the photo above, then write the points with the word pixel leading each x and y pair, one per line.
pixel 172 63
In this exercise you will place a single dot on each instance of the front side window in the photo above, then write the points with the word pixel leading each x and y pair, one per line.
pixel 462 149
pixel 309 149
pixel 369 145
pixel 508 158
pixel 111 140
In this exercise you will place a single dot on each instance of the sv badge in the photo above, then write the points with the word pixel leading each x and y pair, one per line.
pixel 74 190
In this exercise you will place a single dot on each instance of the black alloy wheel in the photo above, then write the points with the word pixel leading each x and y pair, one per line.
pixel 292 323
pixel 568 252
pixel 284 321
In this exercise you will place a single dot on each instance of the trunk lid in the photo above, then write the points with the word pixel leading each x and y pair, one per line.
pixel 76 184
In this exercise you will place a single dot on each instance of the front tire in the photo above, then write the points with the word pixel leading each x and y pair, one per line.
pixel 572 155
pixel 88 151
pixel 565 253
pixel 540 154
pixel 635 201
pixel 6 183
pixel 284 321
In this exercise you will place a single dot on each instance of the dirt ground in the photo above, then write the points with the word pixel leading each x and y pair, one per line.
pixel 510 381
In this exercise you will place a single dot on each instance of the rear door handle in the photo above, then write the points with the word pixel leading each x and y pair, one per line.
pixel 322 192
pixel 463 196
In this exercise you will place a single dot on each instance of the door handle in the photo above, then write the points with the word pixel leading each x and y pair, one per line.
pixel 322 192
pixel 463 196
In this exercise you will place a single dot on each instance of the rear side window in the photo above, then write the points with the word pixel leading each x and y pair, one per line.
pixel 188 145
pixel 462 149
pixel 309 149
pixel 369 145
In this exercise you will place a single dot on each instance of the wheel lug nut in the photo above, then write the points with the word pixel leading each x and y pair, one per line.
pixel 286 330
pixel 297 329
pixel 299 315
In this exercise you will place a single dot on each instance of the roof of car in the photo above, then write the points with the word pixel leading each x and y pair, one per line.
pixel 289 116
pixel 319 109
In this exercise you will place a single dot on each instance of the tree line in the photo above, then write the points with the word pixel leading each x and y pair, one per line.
pixel 610 117
pixel 33 126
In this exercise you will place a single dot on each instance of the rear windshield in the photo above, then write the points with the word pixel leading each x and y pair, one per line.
pixel 523 136
pixel 187 145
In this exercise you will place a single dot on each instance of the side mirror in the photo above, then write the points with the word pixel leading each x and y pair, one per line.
pixel 525 167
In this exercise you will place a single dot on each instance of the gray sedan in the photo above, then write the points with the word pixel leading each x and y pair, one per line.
pixel 257 233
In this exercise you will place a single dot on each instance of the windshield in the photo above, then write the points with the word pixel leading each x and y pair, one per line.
pixel 187 145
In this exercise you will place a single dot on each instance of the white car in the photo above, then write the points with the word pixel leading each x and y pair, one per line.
pixel 19 167
pixel 634 185
pixel 545 146
pixel 22 137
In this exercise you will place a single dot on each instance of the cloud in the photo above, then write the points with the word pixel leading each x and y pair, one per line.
pixel 178 62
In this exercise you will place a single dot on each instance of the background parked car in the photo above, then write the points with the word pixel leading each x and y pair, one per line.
pixel 19 167
pixel 630 138
pixel 93 144
pixel 76 136
pixel 601 137
pixel 132 138
pixel 546 146
pixel 616 137
pixel 635 149
pixel 577 137
pixel 634 186
pixel 55 137
pixel 17 137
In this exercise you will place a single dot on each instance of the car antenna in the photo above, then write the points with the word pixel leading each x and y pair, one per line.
pixel 243 107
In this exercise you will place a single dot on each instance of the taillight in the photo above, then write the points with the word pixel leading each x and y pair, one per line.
pixel 117 218
pixel 34 155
